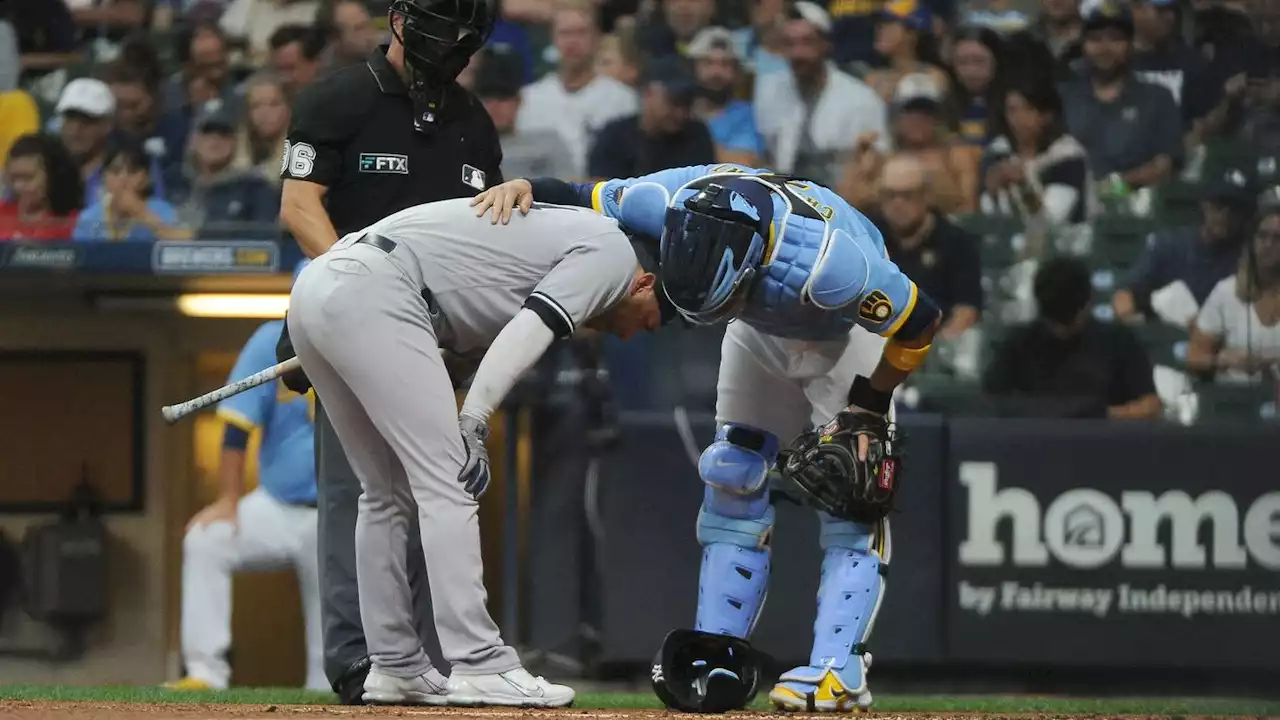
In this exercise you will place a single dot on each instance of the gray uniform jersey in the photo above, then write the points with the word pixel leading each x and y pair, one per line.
pixel 567 264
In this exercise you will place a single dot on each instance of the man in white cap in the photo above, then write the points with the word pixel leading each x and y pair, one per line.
pixel 812 115
pixel 85 112
pixel 732 122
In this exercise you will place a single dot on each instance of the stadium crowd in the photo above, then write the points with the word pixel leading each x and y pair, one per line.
pixel 1088 189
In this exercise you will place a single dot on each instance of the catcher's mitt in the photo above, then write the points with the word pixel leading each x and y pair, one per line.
pixel 823 467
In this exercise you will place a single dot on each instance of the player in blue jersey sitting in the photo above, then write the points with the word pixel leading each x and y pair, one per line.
pixel 828 328
pixel 272 527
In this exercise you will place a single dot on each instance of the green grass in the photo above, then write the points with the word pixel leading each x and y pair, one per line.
pixel 884 703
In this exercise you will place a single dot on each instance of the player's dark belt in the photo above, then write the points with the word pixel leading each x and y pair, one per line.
pixel 385 245
pixel 388 246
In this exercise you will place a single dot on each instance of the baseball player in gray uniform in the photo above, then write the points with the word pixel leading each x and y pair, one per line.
pixel 369 321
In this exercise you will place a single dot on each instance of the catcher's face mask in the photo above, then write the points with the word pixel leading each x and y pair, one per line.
pixel 705 673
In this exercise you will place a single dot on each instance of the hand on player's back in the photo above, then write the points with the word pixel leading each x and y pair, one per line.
pixel 503 199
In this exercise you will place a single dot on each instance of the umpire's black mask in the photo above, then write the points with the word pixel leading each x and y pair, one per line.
pixel 439 38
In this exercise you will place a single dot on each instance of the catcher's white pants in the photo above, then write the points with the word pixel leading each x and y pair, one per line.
pixel 270 536
pixel 784 386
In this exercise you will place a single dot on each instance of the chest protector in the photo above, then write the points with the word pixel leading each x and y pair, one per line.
pixel 779 304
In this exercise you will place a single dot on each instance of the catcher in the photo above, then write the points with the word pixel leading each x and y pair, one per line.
pixel 827 328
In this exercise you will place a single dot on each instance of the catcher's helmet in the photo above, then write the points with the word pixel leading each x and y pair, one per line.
pixel 703 672
pixel 712 246
pixel 440 36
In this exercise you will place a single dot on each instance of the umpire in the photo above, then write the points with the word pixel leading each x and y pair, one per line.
pixel 366 142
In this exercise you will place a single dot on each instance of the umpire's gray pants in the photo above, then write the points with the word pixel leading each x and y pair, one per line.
pixel 338 495
pixel 362 330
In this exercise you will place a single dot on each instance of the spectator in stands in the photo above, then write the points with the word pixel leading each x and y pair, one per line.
pixel 977 92
pixel 813 115
pixel 204 61
pixel 619 58
pixel 18 112
pixel 295 56
pixel 919 131
pixel 1226 37
pixel 536 153
pixel 679 22
pixel 1198 258
pixel 939 256
pixel 262 136
pixel 140 117
pixel 1237 333
pixel 732 122
pixel 1062 30
pixel 45 189
pixel 349 34
pixel 1035 170
pixel 1261 123
pixel 1160 56
pixel 216 198
pixel 513 37
pixel 86 111
pixel 905 41
pixel 1067 364
pixel 575 100
pixel 760 44
pixel 1130 129
pixel 128 208
pixel 665 134
pixel 46 36
pixel 255 21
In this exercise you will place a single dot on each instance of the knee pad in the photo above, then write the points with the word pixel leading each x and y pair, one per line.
pixel 735 468
pixel 854 565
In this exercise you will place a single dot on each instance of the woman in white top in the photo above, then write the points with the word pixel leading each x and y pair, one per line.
pixel 1237 333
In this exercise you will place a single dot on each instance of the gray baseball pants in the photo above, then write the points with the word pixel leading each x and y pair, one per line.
pixel 338 496
pixel 362 329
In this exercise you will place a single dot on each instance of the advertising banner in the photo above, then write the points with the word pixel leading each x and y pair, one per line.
pixel 1108 544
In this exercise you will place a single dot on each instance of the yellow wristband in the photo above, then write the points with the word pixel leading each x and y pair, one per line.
pixel 904 358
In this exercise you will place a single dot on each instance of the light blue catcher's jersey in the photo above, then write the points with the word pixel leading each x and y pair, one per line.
pixel 286 458
pixel 826 267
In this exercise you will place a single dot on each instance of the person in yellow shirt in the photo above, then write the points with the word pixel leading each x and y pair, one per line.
pixel 18 116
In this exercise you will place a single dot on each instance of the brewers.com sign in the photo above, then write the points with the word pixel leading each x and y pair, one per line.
pixel 1089 549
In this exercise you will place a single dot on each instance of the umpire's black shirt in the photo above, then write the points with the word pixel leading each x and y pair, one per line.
pixel 353 132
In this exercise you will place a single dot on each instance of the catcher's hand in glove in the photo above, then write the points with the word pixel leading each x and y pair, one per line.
pixel 848 468
pixel 475 472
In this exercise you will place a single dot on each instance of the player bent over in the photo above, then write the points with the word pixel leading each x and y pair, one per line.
pixel 815 293
pixel 369 320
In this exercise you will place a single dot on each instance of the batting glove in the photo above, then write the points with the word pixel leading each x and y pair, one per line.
pixel 475 472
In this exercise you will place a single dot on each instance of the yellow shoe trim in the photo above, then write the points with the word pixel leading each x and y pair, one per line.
pixel 829 695
pixel 187 683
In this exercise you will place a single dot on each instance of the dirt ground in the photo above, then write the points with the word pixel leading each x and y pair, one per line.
pixel 13 710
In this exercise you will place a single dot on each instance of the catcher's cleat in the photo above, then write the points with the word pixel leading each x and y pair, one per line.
pixel 827 695
pixel 189 684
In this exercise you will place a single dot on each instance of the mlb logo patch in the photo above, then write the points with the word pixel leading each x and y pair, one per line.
pixel 473 177
pixel 382 163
